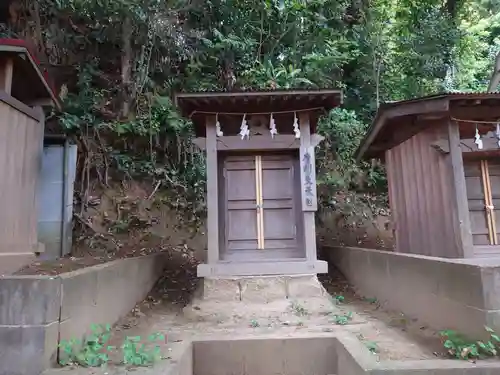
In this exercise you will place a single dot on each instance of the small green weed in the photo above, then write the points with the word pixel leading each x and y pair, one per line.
pixel 461 347
pixel 372 346
pixel 342 319
pixel 254 323
pixel 92 351
pixel 371 300
pixel 136 353
pixel 298 309
pixel 338 299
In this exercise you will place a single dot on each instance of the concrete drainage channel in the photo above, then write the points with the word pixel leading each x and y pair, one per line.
pixel 340 354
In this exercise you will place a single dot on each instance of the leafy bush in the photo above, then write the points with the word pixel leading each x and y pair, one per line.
pixel 92 351
pixel 461 347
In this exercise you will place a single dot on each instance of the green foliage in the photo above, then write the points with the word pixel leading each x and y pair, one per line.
pixel 123 59
pixel 338 299
pixel 342 319
pixel 136 353
pixel 155 144
pixel 461 347
pixel 343 132
pixel 298 309
pixel 425 49
pixel 92 351
pixel 254 323
pixel 340 177
pixel 265 75
pixel 370 300
pixel 372 346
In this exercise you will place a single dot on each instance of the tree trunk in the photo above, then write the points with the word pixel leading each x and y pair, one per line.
pixel 126 66
pixel 495 76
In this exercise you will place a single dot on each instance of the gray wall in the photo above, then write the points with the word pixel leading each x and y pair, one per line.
pixel 266 356
pixel 459 294
pixel 38 311
pixel 50 193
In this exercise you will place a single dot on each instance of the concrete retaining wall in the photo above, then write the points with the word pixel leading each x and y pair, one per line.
pixel 36 312
pixel 266 356
pixel 302 353
pixel 459 294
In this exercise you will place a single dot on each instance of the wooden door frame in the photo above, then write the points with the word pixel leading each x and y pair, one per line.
pixel 212 145
pixel 223 207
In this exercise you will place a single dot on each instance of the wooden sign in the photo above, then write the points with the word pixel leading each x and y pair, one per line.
pixel 308 179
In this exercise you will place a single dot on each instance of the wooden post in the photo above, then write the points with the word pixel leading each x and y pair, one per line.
pixel 212 192
pixel 463 231
pixel 40 247
pixel 6 73
pixel 308 186
pixel 393 201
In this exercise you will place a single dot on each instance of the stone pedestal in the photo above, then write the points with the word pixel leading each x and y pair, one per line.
pixel 224 299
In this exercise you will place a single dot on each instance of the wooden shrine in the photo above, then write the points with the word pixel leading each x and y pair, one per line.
pixel 24 89
pixel 442 156
pixel 261 183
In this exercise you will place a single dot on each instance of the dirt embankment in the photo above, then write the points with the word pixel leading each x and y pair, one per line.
pixel 133 219
pixel 126 220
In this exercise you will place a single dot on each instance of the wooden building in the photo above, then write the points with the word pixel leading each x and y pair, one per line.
pixel 23 90
pixel 442 155
pixel 261 184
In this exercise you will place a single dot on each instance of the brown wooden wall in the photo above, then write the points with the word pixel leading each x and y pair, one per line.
pixel 421 196
pixel 21 142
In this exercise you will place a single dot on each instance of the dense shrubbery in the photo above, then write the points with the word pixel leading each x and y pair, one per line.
pixel 118 62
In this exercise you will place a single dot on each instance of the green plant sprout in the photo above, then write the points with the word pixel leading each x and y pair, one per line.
pixel 92 351
pixel 372 346
pixel 298 309
pixel 338 299
pixel 461 347
pixel 371 300
pixel 136 353
pixel 342 319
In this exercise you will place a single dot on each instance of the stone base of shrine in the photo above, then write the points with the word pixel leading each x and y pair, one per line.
pixel 229 270
pixel 222 298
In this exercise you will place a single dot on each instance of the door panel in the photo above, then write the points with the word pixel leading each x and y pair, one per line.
pixel 240 184
pixel 279 201
pixel 279 224
pixel 277 183
pixel 241 224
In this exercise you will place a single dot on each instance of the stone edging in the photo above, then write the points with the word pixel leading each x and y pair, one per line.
pixel 37 312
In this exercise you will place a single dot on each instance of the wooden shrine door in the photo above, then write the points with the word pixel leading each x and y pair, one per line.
pixel 261 220
pixel 482 179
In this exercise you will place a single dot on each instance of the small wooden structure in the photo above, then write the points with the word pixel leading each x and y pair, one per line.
pixel 23 90
pixel 261 185
pixel 442 155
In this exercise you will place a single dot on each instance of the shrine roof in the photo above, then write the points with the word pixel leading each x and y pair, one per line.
pixel 196 105
pixel 29 82
pixel 396 122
